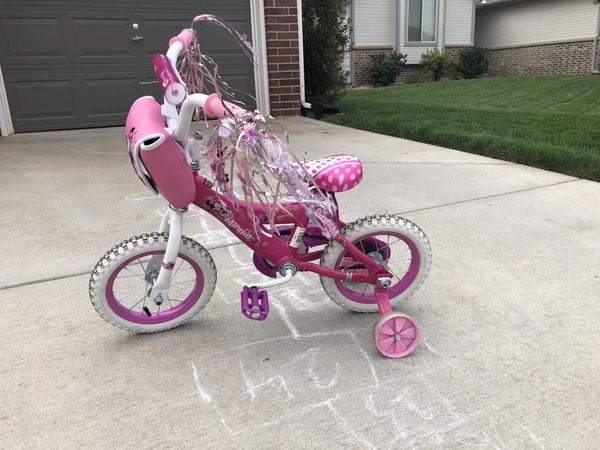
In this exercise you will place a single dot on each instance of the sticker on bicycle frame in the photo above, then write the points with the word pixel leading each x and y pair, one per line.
pixel 218 209
pixel 297 237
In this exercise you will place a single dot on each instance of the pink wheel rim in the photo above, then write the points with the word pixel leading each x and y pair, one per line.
pixel 400 282
pixel 174 307
pixel 397 336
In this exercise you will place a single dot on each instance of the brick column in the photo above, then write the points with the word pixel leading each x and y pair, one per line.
pixel 283 60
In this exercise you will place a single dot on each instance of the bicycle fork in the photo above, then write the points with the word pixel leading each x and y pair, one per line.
pixel 172 221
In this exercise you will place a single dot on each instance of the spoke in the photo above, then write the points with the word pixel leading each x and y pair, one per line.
pixel 386 267
pixel 143 298
pixel 169 300
pixel 142 266
pixel 350 267
pixel 180 288
pixel 365 290
pixel 175 300
pixel 389 245
pixel 191 280
pixel 175 274
pixel 136 274
pixel 129 295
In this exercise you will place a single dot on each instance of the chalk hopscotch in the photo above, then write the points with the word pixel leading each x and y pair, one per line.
pixel 327 373
pixel 330 373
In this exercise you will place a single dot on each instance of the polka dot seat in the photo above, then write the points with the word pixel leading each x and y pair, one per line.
pixel 337 173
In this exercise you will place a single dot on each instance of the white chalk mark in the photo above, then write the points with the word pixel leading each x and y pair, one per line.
pixel 304 279
pixel 138 196
pixel 297 298
pixel 538 440
pixel 236 259
pixel 422 413
pixel 494 426
pixel 433 350
pixel 400 433
pixel 281 310
pixel 367 357
pixel 294 414
pixel 318 382
pixel 344 424
pixel 343 331
pixel 450 407
pixel 201 392
pixel 271 381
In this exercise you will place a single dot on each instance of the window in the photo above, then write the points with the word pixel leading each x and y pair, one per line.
pixel 421 20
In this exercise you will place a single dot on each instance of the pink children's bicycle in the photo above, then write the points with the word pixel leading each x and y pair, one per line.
pixel 282 208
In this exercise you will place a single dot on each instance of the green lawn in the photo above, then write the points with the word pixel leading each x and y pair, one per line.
pixel 552 122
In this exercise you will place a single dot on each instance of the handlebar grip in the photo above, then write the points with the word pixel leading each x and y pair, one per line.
pixel 172 86
pixel 213 107
pixel 186 37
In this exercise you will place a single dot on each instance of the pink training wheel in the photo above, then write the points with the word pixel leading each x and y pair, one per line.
pixel 396 335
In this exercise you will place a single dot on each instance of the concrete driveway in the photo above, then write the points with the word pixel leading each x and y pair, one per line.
pixel 510 354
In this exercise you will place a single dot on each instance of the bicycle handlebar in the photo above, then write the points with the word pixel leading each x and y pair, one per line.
pixel 174 88
pixel 185 37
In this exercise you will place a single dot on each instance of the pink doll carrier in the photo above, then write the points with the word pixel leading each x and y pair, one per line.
pixel 156 157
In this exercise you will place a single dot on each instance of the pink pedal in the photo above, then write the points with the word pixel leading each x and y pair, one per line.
pixel 255 303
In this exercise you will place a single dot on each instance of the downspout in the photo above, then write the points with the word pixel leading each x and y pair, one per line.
pixel 595 70
pixel 398 24
pixel 444 25
pixel 301 56
pixel 352 42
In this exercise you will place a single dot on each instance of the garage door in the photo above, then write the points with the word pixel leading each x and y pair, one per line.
pixel 76 64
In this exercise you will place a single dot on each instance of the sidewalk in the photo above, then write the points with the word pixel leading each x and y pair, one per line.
pixel 509 314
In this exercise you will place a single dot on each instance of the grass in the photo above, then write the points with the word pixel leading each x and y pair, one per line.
pixel 551 122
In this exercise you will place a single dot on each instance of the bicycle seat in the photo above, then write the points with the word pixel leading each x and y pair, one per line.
pixel 336 173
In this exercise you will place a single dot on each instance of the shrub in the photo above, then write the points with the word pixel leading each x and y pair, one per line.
pixel 385 68
pixel 436 63
pixel 472 62
pixel 414 79
pixel 326 36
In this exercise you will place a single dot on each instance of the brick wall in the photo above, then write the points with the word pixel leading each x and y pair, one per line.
pixel 361 61
pixel 547 59
pixel 562 58
pixel 283 59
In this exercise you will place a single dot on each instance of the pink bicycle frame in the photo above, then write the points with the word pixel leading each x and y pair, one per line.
pixel 171 179
pixel 274 248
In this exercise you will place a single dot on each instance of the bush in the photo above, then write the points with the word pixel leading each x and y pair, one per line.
pixel 326 36
pixel 472 62
pixel 436 63
pixel 385 68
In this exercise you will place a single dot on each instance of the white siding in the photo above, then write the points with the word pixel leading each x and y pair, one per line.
pixel 459 22
pixel 534 22
pixel 413 52
pixel 374 22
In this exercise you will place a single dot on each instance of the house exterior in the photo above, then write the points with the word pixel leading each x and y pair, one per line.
pixel 524 37
pixel 70 64
pixel 410 27
pixel 534 37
